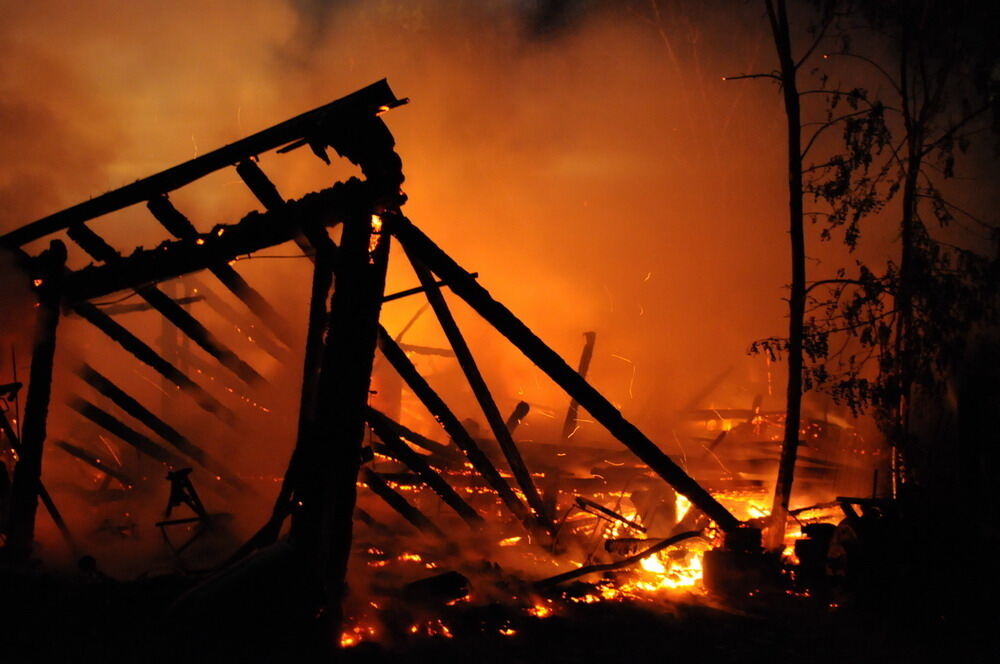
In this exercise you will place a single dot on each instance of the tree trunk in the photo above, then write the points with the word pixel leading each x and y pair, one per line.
pixel 797 296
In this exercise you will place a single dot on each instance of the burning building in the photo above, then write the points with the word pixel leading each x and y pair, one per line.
pixel 294 449
pixel 551 503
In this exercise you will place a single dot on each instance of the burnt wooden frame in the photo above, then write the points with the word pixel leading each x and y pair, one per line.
pixel 319 488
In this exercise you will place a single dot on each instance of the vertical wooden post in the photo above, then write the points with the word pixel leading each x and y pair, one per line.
pixel 324 255
pixel 28 472
pixel 327 475
pixel 569 425
pixel 517 415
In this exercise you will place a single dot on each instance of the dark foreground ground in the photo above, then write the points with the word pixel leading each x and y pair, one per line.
pixel 50 618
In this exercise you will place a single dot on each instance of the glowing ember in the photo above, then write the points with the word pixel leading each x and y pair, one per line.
pixel 356 635
pixel 540 611
pixel 431 628
pixel 376 233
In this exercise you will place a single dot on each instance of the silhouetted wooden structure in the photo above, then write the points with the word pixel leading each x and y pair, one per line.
pixel 320 484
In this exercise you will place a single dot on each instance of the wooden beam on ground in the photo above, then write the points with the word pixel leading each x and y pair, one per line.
pixel 552 364
pixel 482 392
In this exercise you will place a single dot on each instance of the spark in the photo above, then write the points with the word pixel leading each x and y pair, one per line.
pixel 631 381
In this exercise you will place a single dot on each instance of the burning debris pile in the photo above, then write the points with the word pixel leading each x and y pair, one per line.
pixel 387 532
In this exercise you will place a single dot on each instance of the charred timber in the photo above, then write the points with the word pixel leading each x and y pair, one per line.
pixel 155 424
pixel 95 245
pixel 181 227
pixel 397 502
pixel 323 253
pixel 329 462
pixel 322 281
pixel 427 350
pixel 267 193
pixel 49 271
pixel 552 364
pixel 621 564
pixel 241 321
pixel 91 460
pixel 453 427
pixel 255 231
pixel 517 415
pixel 319 127
pixel 415 462
pixel 588 505
pixel 119 309
pixel 142 352
pixel 43 494
pixel 447 454
pixel 113 425
pixel 481 391
pixel 570 425
pixel 418 289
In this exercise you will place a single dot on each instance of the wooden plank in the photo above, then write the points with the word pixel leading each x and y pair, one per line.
pixel 119 429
